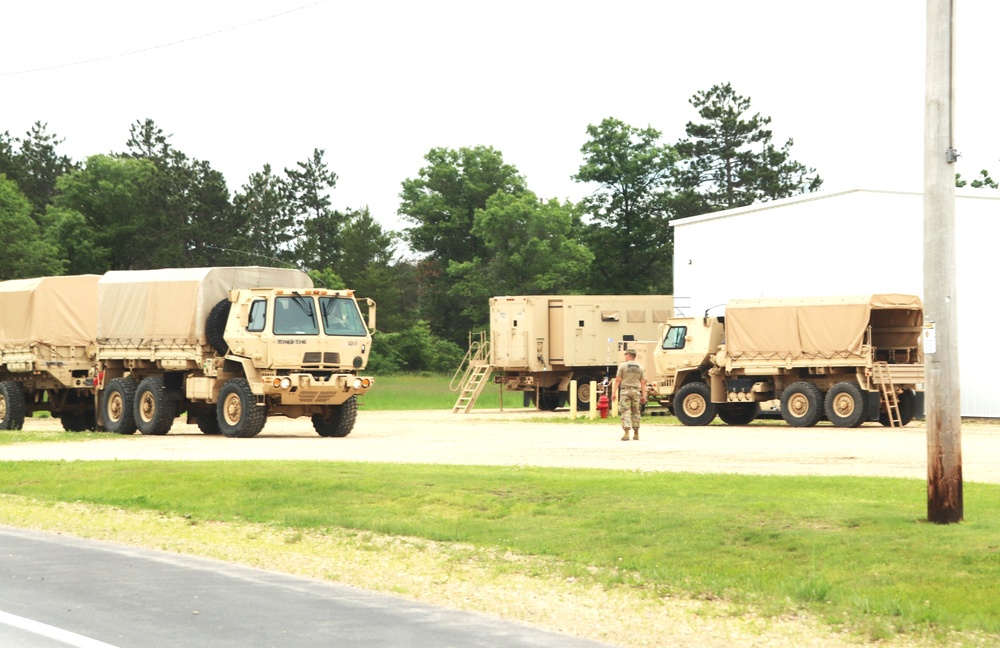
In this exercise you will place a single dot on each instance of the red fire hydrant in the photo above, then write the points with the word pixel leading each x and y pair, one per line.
pixel 603 405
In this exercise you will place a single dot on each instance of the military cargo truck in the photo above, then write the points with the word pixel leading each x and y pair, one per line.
pixel 539 343
pixel 47 330
pixel 848 359
pixel 229 346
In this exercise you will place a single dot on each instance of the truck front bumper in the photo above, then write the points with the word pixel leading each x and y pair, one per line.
pixel 306 389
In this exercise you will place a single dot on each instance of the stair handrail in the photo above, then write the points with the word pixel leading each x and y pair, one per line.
pixel 477 353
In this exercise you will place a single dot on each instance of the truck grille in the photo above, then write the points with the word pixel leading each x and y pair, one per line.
pixel 315 358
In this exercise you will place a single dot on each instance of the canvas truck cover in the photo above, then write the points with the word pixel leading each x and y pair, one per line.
pixel 819 327
pixel 172 305
pixel 57 311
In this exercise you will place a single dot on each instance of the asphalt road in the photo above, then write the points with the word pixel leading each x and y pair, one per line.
pixel 82 592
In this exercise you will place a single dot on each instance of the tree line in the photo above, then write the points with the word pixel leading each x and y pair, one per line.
pixel 475 229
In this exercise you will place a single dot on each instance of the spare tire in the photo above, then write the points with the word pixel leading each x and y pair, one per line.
pixel 215 327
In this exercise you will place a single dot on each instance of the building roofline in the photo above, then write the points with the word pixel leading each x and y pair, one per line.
pixel 982 194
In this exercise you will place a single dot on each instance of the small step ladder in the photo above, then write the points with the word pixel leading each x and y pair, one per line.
pixel 472 387
pixel 476 367
pixel 884 378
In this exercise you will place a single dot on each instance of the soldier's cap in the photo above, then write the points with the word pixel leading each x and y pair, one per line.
pixel 630 352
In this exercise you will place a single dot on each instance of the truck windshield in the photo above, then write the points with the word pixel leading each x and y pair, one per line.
pixel 295 316
pixel 341 316
pixel 674 339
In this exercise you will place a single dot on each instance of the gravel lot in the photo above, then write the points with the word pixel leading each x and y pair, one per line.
pixel 518 437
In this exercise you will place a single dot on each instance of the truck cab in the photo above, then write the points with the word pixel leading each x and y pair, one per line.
pixel 685 351
pixel 304 347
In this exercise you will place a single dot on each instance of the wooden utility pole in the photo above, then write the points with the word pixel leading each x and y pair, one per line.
pixel 944 420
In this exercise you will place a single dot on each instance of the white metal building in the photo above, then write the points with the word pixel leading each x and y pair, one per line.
pixel 850 243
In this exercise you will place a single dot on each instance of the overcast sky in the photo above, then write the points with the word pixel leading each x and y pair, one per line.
pixel 378 84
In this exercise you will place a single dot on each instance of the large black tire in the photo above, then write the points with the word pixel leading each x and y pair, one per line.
pixel 802 404
pixel 118 405
pixel 238 414
pixel 907 408
pixel 693 404
pixel 548 399
pixel 215 327
pixel 337 420
pixel 78 421
pixel 738 413
pixel 208 422
pixel 154 412
pixel 845 405
pixel 12 409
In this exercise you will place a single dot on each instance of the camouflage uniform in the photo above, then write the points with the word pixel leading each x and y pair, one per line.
pixel 632 378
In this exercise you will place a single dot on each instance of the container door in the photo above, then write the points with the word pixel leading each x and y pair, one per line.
pixel 557 338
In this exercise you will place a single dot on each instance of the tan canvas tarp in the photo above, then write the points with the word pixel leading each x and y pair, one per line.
pixel 57 311
pixel 820 327
pixel 171 305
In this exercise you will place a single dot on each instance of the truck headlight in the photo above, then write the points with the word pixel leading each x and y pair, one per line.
pixel 281 382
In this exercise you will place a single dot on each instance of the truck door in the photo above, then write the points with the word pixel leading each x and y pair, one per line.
pixel 509 331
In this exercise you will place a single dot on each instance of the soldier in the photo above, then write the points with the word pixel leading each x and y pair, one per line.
pixel 631 378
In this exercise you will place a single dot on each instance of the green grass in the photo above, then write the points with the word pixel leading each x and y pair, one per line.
pixel 33 436
pixel 855 552
pixel 429 392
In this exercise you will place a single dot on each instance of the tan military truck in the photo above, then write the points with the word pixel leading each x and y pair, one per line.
pixel 47 330
pixel 230 347
pixel 848 359
pixel 539 343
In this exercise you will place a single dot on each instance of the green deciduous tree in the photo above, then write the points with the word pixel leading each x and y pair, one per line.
pixel 729 160
pixel 629 210
pixel 530 247
pixel 24 251
pixel 111 202
pixel 441 203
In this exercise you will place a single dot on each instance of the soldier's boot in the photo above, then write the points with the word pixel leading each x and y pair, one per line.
pixel 635 434
pixel 625 437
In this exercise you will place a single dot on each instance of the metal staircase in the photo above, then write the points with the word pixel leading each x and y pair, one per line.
pixel 471 375
pixel 883 376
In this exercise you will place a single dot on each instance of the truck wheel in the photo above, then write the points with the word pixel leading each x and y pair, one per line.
pixel 739 413
pixel 548 400
pixel 583 394
pixel 208 422
pixel 12 408
pixel 845 405
pixel 238 414
pixel 215 327
pixel 78 421
pixel 907 408
pixel 801 404
pixel 337 420
pixel 154 413
pixel 693 404
pixel 119 405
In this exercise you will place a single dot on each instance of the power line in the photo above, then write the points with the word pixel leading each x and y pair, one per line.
pixel 162 45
